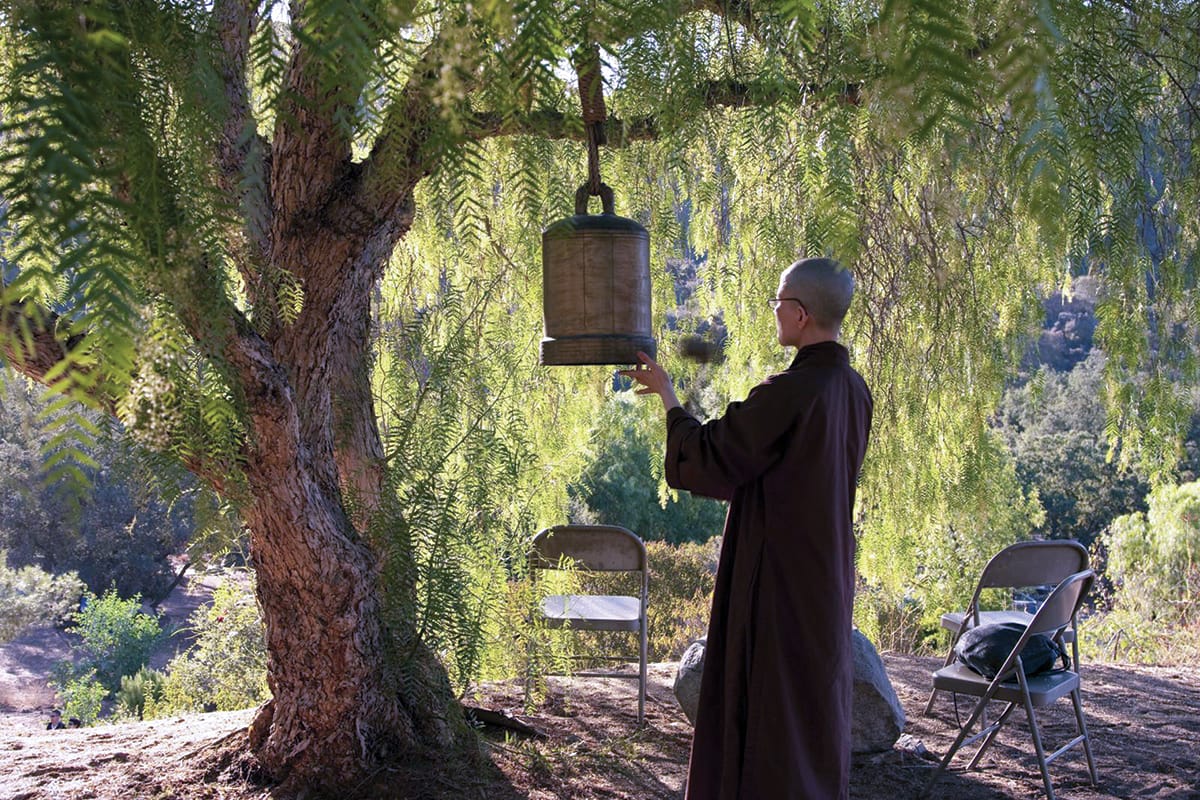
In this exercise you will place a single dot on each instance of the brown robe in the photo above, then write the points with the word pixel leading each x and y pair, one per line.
pixel 774 714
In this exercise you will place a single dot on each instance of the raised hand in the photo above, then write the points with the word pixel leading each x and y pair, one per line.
pixel 654 380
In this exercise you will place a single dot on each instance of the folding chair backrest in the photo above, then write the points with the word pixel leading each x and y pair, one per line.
pixel 592 548
pixel 1058 610
pixel 1034 564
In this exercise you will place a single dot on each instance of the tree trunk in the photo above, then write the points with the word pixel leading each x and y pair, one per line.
pixel 344 699
pixel 353 687
pixel 351 692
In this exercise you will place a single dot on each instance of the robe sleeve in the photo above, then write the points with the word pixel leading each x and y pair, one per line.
pixel 715 458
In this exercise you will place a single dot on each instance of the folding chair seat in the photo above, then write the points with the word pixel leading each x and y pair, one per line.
pixel 595 548
pixel 1011 685
pixel 1018 566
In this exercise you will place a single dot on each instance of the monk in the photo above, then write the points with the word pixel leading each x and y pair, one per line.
pixel 774 713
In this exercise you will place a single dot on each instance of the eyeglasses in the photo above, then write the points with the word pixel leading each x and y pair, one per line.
pixel 775 301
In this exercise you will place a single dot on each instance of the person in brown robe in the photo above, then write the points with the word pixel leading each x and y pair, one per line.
pixel 774 713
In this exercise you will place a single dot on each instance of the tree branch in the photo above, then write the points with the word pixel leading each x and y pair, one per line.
pixel 387 177
pixel 307 151
pixel 311 148
pixel 32 345
pixel 557 125
pixel 743 13
pixel 1184 94
pixel 621 132
pixel 242 159
pixel 410 120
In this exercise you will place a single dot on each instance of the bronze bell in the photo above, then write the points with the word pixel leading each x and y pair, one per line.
pixel 596 287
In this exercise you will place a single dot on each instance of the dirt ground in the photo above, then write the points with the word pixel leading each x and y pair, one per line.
pixel 1145 724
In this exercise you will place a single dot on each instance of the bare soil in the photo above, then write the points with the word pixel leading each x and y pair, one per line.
pixel 1144 722
pixel 27 662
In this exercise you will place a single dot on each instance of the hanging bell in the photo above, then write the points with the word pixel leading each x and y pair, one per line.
pixel 595 287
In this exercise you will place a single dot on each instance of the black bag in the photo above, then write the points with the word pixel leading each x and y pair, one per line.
pixel 985 648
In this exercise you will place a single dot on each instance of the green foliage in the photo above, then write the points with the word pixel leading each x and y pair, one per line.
pixel 226 666
pixel 623 482
pixel 544 650
pixel 119 528
pixel 29 596
pixel 116 637
pixel 69 238
pixel 1151 556
pixel 139 691
pixel 957 219
pixel 81 696
pixel 1153 565
pixel 681 584
pixel 481 443
pixel 92 109
pixel 911 582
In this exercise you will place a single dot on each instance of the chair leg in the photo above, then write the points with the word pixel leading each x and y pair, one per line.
pixel 933 695
pixel 962 735
pixel 642 679
pixel 991 736
pixel 1037 746
pixel 528 663
pixel 1077 701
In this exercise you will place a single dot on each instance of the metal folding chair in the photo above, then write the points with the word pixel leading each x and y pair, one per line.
pixel 1011 685
pixel 595 548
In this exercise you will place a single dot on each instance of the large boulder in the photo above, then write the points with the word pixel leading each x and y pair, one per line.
pixel 878 717
pixel 687 679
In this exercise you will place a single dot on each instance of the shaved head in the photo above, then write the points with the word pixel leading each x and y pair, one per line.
pixel 825 288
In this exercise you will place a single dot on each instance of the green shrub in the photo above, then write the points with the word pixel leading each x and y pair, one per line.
pixel 145 688
pixel 892 623
pixel 681 585
pixel 623 482
pixel 1152 555
pixel 1153 566
pixel 226 667
pixel 81 696
pixel 29 596
pixel 116 637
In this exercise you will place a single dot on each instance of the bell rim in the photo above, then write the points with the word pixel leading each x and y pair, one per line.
pixel 595 349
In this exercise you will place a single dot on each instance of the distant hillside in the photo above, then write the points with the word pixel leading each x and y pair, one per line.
pixel 1069 328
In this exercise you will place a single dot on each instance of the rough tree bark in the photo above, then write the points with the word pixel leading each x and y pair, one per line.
pixel 341 702
pixel 349 693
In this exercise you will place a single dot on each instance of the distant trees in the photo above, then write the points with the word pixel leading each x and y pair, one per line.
pixel 1153 563
pixel 113 527
pixel 115 638
pixel 1054 425
pixel 621 483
